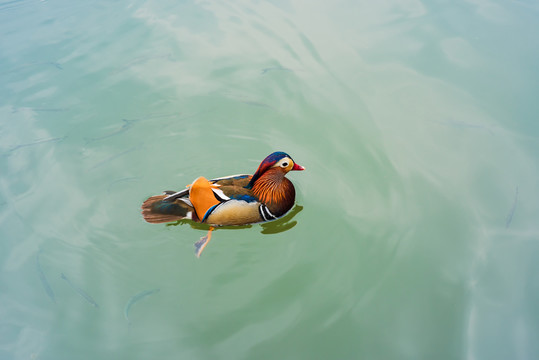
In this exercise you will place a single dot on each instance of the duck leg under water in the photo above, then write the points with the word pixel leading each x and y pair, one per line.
pixel 203 242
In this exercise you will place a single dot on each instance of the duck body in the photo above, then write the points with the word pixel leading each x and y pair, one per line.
pixel 231 200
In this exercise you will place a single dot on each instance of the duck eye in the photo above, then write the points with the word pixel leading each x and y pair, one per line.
pixel 285 164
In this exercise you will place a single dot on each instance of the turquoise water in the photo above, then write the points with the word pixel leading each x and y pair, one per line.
pixel 415 234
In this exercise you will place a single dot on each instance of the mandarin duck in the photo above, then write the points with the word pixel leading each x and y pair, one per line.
pixel 231 200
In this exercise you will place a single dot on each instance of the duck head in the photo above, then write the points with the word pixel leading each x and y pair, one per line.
pixel 277 160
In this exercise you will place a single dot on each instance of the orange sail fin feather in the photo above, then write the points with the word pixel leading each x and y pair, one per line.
pixel 229 200
pixel 202 196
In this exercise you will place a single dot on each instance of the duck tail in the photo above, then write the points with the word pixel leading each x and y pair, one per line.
pixel 155 210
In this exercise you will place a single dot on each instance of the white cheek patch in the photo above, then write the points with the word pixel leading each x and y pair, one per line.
pixel 286 160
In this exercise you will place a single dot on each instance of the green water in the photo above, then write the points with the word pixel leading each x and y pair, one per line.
pixel 416 233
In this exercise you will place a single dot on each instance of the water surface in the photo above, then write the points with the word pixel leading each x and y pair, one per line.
pixel 415 235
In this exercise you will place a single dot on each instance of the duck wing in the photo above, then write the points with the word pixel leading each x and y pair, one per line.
pixel 238 180
pixel 173 206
